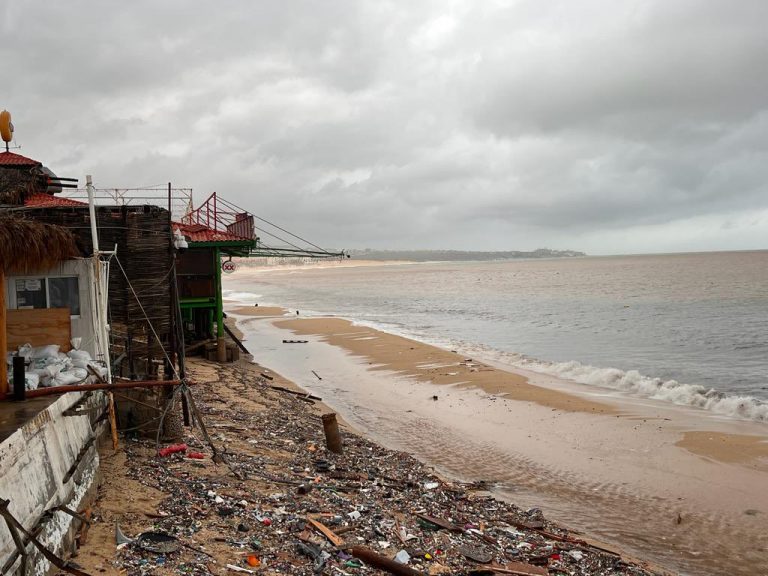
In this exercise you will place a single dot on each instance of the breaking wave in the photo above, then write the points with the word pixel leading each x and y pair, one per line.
pixel 632 382
pixel 240 296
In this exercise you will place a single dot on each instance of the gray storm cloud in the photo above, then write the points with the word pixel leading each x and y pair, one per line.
pixel 601 126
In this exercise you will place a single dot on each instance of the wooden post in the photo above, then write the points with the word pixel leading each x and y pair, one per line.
pixel 3 340
pixel 332 435
pixel 112 419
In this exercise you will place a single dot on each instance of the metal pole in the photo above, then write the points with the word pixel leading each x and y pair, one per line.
pixel 92 212
pixel 19 384
pixel 221 346
pixel 101 297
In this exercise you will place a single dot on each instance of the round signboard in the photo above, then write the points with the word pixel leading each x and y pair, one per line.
pixel 228 267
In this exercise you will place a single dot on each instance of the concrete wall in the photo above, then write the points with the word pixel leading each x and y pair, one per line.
pixel 34 462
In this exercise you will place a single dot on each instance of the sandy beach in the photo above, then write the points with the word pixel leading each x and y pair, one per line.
pixel 276 501
pixel 667 483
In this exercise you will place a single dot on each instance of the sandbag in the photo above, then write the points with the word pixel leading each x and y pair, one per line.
pixel 49 351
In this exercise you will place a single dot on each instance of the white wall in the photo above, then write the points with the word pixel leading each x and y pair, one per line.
pixel 34 462
pixel 82 326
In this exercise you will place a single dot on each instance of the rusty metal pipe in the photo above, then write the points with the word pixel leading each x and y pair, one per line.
pixel 117 385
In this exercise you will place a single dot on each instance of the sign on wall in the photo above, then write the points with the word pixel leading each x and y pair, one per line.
pixel 228 267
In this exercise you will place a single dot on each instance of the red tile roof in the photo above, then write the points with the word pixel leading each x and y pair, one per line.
pixel 200 233
pixel 11 159
pixel 43 200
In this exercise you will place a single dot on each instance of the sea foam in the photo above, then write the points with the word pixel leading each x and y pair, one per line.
pixel 243 297
pixel 634 383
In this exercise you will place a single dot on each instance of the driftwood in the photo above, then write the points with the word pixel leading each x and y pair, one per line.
pixel 303 395
pixel 382 562
pixel 333 538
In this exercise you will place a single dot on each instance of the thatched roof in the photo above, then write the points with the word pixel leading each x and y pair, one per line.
pixel 29 246
pixel 16 185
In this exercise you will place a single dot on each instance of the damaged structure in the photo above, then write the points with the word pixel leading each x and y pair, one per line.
pixel 98 300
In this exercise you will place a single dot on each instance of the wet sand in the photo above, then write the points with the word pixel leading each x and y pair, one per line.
pixel 670 484
pixel 259 311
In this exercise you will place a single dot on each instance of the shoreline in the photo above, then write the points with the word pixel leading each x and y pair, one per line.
pixel 270 505
pixel 394 358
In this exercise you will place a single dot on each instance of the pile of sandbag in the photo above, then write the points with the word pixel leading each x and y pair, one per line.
pixel 47 366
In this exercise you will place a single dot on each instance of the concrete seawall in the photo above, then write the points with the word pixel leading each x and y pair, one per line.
pixel 50 461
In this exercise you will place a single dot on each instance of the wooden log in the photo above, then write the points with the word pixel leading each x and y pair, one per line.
pixel 382 562
pixel 332 435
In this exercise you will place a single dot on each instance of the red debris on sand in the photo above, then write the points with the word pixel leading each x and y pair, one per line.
pixel 172 449
pixel 196 455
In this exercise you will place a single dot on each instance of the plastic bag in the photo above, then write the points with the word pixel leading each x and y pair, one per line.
pixel 49 351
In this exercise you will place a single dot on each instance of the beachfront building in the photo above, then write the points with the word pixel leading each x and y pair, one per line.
pixel 214 235
pixel 48 459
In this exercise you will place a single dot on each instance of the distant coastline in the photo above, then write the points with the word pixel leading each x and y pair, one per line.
pixel 460 255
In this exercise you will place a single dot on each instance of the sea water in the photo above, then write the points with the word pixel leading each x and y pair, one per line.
pixel 683 328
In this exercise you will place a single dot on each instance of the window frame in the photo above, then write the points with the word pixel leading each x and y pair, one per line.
pixel 14 293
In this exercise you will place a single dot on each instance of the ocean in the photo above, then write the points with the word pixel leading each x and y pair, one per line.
pixel 688 329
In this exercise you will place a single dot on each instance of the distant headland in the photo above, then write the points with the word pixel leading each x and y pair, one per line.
pixel 459 255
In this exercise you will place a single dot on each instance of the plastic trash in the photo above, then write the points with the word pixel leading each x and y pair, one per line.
pixel 402 557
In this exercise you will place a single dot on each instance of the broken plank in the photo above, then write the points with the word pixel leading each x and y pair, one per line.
pixel 440 522
pixel 333 538
pixel 514 568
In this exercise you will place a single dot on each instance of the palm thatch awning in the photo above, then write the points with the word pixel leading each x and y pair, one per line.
pixel 29 246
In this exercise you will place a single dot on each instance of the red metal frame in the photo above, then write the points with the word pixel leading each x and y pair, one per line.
pixel 220 215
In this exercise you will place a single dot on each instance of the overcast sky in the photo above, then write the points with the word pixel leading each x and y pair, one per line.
pixel 605 126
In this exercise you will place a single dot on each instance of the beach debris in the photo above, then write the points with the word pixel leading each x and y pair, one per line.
pixel 267 376
pixel 327 532
pixel 158 542
pixel 332 434
pixel 296 508
pixel 234 568
pixel 120 538
pixel 317 375
pixel 302 395
pixel 479 555
pixel 440 522
pixel 402 557
pixel 253 560
pixel 382 562
pixel 295 341
pixel 172 449
pixel 515 568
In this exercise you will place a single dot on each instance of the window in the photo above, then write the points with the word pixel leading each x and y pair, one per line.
pixel 54 292
pixel 30 293
pixel 64 293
